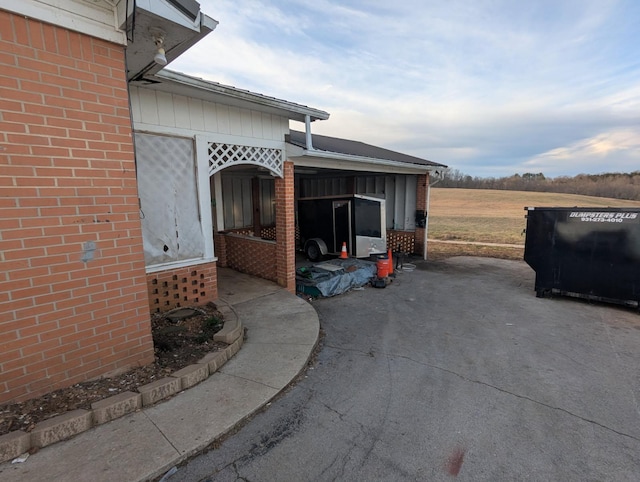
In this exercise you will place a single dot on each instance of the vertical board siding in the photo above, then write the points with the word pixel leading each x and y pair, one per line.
pixel 223 117
pixel 267 202
pixel 399 191
pixel 246 202
pixel 399 205
pixel 196 114
pixel 210 117
pixel 148 107
pixel 237 199
pixel 390 196
pixel 166 112
pixel 245 119
pixel 256 125
pixel 410 203
pixel 235 121
pixel 179 112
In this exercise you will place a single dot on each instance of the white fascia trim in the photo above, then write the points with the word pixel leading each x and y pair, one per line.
pixel 356 163
pixel 78 17
pixel 178 264
pixel 163 9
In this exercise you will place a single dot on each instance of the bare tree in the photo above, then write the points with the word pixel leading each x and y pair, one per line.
pixel 614 185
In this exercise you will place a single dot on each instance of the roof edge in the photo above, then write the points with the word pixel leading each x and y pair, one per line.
pixel 370 160
pixel 432 166
pixel 244 95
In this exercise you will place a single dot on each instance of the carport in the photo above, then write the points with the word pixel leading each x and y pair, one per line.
pixel 329 166
pixel 219 167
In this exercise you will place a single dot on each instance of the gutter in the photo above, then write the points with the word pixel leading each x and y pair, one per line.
pixel 415 168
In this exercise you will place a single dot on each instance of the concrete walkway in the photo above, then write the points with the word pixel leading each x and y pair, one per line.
pixel 282 333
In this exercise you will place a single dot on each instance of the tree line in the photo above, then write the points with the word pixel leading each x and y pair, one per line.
pixel 612 185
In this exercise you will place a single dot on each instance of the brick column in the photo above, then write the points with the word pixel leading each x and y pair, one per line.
pixel 220 243
pixel 286 229
pixel 422 189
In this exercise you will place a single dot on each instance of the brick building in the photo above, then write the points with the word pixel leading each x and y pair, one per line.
pixel 124 185
pixel 73 297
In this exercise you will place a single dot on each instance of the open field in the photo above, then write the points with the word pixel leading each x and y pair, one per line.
pixel 490 216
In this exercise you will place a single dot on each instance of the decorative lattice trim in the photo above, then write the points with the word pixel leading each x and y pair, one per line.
pixel 223 155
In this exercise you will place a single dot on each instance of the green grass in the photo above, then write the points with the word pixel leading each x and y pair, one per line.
pixel 479 229
pixel 490 216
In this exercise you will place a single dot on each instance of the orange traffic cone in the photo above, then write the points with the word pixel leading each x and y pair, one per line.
pixel 343 253
pixel 390 262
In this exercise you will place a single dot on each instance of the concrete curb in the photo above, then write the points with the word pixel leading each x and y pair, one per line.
pixel 146 443
pixel 196 449
pixel 70 424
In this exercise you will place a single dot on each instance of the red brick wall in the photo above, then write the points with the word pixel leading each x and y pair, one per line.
pixel 422 187
pixel 421 205
pixel 220 249
pixel 187 286
pixel 253 256
pixel 286 229
pixel 220 244
pixel 67 183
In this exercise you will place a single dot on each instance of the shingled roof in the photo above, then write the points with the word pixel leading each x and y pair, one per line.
pixel 355 148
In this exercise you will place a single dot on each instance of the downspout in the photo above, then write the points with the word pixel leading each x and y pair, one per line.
pixel 307 128
pixel 426 221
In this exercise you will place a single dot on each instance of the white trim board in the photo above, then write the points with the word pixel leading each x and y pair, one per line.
pixel 82 17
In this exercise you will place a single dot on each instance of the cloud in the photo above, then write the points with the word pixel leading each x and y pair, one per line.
pixel 613 151
pixel 489 87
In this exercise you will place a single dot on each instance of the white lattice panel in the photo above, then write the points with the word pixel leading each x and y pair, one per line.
pixel 171 228
pixel 222 155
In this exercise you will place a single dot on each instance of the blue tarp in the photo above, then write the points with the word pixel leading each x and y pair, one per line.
pixel 354 273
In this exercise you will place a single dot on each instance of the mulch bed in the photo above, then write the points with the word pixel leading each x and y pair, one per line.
pixel 177 344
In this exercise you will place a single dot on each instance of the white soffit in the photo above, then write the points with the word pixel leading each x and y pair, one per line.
pixel 151 17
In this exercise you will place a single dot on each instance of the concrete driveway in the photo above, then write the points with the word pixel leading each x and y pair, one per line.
pixel 455 371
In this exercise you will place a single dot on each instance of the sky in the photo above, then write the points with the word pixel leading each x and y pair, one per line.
pixel 488 87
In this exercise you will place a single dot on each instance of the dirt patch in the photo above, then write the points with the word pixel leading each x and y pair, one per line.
pixel 437 251
pixel 177 342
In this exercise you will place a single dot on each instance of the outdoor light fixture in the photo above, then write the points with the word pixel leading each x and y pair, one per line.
pixel 160 58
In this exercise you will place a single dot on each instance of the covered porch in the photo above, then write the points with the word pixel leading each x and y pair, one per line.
pixel 220 174
pixel 252 238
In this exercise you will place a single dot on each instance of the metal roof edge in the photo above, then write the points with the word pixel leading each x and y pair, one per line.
pixel 432 166
pixel 245 95
pixel 371 160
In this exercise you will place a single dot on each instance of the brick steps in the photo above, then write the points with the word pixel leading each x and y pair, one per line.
pixel 72 423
